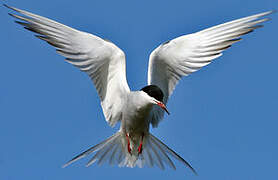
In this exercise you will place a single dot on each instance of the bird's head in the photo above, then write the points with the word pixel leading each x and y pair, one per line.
pixel 155 96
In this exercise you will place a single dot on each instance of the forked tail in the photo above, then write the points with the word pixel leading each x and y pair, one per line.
pixel 114 151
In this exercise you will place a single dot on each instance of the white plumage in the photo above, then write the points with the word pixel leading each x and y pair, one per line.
pixel 187 54
pixel 105 64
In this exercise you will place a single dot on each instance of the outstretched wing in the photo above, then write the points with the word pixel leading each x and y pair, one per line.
pixel 187 54
pixel 103 61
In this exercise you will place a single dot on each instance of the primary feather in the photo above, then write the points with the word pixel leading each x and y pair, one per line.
pixel 186 54
pixel 103 61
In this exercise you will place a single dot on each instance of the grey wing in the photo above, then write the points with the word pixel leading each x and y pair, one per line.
pixel 103 61
pixel 186 54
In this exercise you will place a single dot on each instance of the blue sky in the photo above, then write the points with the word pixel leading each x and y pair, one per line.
pixel 223 118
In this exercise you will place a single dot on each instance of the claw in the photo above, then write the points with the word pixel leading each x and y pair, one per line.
pixel 141 144
pixel 140 148
pixel 128 143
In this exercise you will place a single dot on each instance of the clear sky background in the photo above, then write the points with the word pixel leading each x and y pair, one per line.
pixel 223 118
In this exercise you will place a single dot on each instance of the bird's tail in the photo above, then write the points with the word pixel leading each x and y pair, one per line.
pixel 114 151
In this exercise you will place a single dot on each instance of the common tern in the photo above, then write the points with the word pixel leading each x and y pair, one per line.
pixel 104 62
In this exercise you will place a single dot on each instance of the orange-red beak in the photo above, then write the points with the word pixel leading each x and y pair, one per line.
pixel 160 104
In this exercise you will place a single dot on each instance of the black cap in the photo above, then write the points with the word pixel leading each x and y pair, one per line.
pixel 154 91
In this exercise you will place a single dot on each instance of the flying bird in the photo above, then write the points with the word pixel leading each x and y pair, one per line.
pixel 104 62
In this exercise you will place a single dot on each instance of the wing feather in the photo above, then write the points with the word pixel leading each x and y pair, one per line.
pixel 103 61
pixel 186 54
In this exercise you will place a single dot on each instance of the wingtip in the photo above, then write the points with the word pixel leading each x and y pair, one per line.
pixel 11 14
pixel 65 165
pixel 273 11
pixel 270 12
pixel 195 172
pixel 68 163
pixel 5 5
pixel 9 7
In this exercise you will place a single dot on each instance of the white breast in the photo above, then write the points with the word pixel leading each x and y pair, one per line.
pixel 135 115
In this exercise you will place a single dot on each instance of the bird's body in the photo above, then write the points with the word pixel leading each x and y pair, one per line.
pixel 135 117
pixel 134 122
pixel 133 145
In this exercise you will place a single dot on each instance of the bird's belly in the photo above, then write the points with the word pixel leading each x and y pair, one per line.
pixel 138 123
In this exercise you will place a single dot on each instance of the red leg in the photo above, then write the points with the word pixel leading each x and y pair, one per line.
pixel 141 144
pixel 128 143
